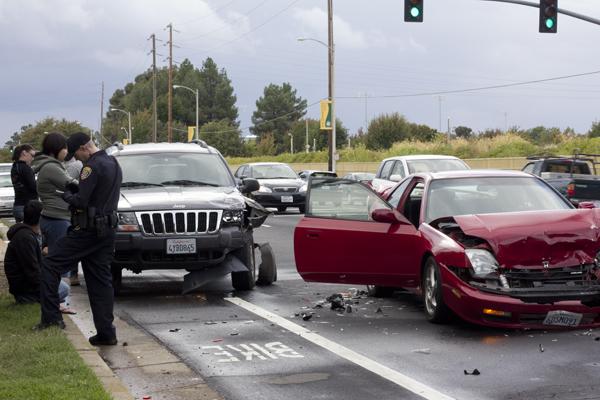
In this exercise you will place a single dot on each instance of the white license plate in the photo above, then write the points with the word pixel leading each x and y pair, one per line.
pixel 181 246
pixel 562 318
pixel 287 199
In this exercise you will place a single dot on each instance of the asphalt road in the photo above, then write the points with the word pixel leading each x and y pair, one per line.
pixel 256 344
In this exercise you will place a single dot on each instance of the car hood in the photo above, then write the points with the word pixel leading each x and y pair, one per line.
pixel 525 239
pixel 292 182
pixel 180 197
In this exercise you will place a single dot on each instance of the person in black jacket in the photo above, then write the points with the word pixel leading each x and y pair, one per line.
pixel 23 179
pixel 24 256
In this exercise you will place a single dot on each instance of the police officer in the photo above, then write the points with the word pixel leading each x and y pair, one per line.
pixel 90 239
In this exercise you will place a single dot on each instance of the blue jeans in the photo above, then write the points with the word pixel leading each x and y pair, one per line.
pixel 63 291
pixel 18 213
pixel 52 230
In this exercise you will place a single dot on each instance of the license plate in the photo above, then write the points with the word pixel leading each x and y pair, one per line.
pixel 287 199
pixel 181 246
pixel 562 318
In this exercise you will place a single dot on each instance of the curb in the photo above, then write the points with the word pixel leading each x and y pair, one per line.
pixel 112 384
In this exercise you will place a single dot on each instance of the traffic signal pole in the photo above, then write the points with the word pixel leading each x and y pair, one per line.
pixel 560 10
pixel 331 57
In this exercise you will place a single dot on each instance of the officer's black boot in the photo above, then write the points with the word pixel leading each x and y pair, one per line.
pixel 98 340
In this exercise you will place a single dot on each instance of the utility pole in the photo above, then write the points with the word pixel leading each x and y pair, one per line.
pixel 366 118
pixel 332 149
pixel 505 122
pixel 307 146
pixel 448 129
pixel 440 113
pixel 154 106
pixel 101 110
pixel 170 95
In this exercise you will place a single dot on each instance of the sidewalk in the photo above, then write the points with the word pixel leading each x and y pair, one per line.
pixel 137 367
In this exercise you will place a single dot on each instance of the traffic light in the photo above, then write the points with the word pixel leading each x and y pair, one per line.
pixel 548 16
pixel 413 10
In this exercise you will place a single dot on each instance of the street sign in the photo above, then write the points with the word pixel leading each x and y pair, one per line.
pixel 326 115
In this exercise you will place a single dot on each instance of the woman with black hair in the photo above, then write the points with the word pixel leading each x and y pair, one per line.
pixel 52 179
pixel 23 179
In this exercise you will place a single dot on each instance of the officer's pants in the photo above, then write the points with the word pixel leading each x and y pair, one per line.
pixel 95 255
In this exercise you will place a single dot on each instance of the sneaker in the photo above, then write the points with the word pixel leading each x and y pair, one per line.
pixel 74 280
pixel 45 325
pixel 97 340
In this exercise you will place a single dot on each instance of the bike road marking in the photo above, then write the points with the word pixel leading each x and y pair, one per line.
pixel 379 369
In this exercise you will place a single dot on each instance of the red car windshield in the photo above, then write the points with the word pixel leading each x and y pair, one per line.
pixel 462 196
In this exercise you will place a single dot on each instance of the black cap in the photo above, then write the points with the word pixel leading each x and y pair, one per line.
pixel 75 141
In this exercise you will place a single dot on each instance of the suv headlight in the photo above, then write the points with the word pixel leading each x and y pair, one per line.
pixel 303 188
pixel 232 217
pixel 483 262
pixel 264 189
pixel 128 222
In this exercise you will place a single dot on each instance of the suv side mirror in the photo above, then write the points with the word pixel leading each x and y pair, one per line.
pixel 396 178
pixel 249 185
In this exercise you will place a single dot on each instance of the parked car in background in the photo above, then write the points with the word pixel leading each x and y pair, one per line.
pixel 497 248
pixel 392 170
pixel 305 174
pixel 574 177
pixel 5 167
pixel 7 194
pixel 181 208
pixel 280 186
pixel 364 177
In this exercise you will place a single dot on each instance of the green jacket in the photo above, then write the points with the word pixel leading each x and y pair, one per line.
pixel 52 176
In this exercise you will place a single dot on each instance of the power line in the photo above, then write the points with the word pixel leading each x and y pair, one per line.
pixel 250 31
pixel 223 27
pixel 474 89
pixel 224 6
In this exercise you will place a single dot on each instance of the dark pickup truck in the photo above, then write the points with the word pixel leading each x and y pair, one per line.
pixel 575 177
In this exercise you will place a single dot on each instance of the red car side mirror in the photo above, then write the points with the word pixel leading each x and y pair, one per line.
pixel 388 216
pixel 586 204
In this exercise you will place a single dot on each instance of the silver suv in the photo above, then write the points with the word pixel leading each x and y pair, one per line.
pixel 181 208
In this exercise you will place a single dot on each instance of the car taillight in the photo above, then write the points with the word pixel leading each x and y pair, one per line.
pixel 570 190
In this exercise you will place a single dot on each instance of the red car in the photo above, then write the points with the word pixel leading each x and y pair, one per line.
pixel 497 248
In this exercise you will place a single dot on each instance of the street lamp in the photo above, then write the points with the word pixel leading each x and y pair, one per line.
pixel 195 91
pixel 129 135
pixel 331 57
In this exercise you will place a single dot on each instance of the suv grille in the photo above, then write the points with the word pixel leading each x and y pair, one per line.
pixel 285 189
pixel 157 223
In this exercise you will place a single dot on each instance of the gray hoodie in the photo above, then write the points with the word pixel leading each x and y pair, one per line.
pixel 52 176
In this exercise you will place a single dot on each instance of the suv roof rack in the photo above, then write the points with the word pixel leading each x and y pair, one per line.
pixel 199 142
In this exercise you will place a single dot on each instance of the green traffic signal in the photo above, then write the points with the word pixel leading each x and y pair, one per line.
pixel 415 12
pixel 549 23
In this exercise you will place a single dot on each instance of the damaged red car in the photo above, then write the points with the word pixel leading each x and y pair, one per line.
pixel 496 248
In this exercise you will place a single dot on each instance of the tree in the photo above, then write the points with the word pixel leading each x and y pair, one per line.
pixel 422 133
pixel 34 134
pixel 594 130
pixel 385 130
pixel 224 136
pixel 216 101
pixel 266 145
pixel 542 135
pixel 463 132
pixel 276 112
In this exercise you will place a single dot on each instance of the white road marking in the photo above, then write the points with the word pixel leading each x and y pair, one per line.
pixel 266 226
pixel 350 355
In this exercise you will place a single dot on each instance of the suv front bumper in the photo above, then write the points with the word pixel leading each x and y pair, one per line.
pixel 275 199
pixel 137 252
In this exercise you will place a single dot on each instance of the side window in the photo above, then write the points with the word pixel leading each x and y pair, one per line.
pixel 385 170
pixel 412 204
pixel 529 168
pixel 341 199
pixel 398 169
pixel 396 195
pixel 242 171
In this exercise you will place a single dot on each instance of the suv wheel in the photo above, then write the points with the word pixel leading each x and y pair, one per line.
pixel 302 209
pixel 245 280
pixel 117 278
pixel 281 208
pixel 267 270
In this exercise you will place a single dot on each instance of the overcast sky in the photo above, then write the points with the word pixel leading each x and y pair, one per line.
pixel 57 52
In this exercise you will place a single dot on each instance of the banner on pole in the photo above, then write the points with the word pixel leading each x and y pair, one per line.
pixel 326 115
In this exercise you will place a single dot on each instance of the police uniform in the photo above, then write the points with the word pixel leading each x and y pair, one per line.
pixel 90 239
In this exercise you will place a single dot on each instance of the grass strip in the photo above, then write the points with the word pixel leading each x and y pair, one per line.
pixel 40 365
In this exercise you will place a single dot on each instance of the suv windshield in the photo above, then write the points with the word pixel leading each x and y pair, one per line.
pixel 272 171
pixel 180 169
pixel 435 165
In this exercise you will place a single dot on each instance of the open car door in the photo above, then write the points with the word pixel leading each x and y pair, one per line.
pixel 338 241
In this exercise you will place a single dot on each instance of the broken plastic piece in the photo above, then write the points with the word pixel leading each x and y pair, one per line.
pixel 306 317
pixel 475 372
pixel 174 330
pixel 541 348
